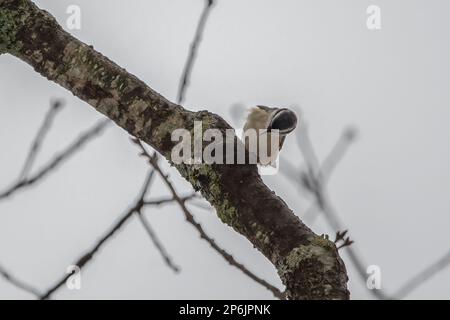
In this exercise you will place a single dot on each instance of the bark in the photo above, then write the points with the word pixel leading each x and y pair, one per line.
pixel 308 264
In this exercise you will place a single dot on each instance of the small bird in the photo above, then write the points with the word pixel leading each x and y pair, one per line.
pixel 265 120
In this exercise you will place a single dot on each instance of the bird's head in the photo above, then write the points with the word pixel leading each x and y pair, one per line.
pixel 283 120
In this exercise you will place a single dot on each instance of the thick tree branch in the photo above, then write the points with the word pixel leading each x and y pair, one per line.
pixel 308 265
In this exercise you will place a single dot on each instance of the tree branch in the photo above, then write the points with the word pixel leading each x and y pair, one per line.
pixel 423 276
pixel 55 106
pixel 315 182
pixel 308 264
pixel 89 255
pixel 161 201
pixel 18 283
pixel 191 219
pixel 148 228
pixel 64 155
pixel 184 82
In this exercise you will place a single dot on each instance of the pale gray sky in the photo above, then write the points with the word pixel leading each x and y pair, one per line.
pixel 391 189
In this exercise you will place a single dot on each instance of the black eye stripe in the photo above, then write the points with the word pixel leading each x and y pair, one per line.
pixel 283 121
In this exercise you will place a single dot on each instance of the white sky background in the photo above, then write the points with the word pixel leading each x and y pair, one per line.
pixel 391 189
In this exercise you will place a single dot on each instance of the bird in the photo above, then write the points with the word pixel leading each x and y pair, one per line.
pixel 273 123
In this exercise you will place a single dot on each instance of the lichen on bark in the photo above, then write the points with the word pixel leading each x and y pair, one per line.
pixel 313 265
pixel 9 25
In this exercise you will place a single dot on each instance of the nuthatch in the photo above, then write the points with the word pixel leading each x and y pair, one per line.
pixel 266 119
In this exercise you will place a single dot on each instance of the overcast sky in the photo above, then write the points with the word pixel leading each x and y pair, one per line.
pixel 391 189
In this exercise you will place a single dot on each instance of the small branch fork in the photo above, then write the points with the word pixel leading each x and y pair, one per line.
pixel 136 208
pixel 25 179
pixel 191 220
pixel 314 181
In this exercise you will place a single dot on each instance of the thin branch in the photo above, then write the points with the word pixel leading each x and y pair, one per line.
pixel 316 179
pixel 18 283
pixel 337 153
pixel 184 82
pixel 329 212
pixel 157 242
pixel 55 106
pixel 165 200
pixel 85 258
pixel 307 149
pixel 423 276
pixel 53 164
pixel 191 219
pixel 344 240
pixel 322 204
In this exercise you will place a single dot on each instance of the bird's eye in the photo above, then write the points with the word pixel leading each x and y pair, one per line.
pixel 284 121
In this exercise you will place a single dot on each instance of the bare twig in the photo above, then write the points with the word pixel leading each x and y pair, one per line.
pixel 347 243
pixel 55 106
pixel 18 283
pixel 85 258
pixel 161 201
pixel 57 160
pixel 340 235
pixel 184 82
pixel 337 153
pixel 315 181
pixel 157 242
pixel 325 206
pixel 190 218
pixel 317 176
pixel 341 238
pixel 423 276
